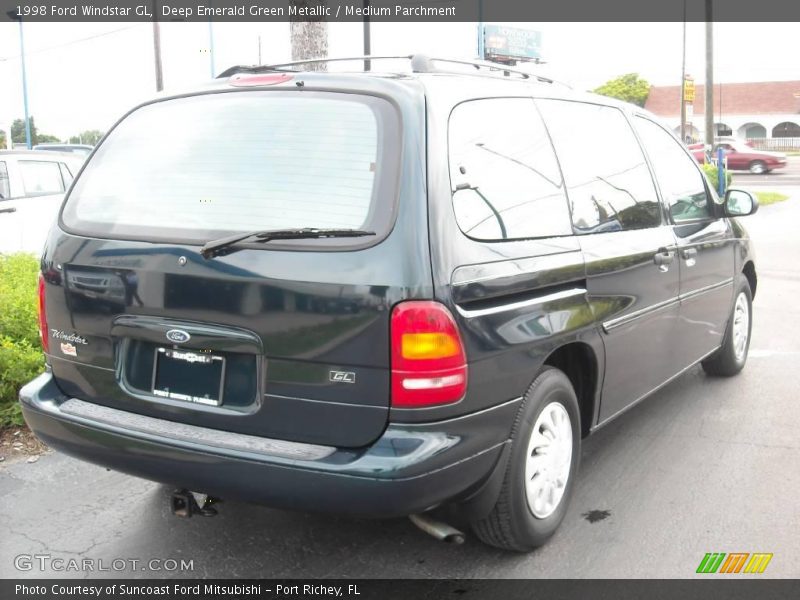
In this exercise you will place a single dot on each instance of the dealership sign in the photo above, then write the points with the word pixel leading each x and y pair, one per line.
pixel 511 43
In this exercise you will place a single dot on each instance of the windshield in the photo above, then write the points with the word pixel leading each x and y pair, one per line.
pixel 195 168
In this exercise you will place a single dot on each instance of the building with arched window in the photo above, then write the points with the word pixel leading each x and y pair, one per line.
pixel 766 112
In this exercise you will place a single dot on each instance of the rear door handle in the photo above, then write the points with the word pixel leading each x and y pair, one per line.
pixel 7 210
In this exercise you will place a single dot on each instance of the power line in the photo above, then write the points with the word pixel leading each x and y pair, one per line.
pixel 72 42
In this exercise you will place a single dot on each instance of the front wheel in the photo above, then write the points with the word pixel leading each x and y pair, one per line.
pixel 541 471
pixel 732 356
pixel 758 167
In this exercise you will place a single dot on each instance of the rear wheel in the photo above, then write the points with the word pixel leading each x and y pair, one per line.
pixel 732 356
pixel 541 471
pixel 758 167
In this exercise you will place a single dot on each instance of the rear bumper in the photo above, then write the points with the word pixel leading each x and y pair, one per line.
pixel 411 468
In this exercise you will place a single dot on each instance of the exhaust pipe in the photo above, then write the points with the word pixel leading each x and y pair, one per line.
pixel 184 504
pixel 439 530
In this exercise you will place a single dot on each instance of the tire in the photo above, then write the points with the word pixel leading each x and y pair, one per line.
pixel 516 522
pixel 758 167
pixel 732 356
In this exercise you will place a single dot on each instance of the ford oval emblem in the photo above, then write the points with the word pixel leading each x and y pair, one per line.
pixel 178 336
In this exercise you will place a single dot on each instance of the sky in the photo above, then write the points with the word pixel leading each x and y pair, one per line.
pixel 86 75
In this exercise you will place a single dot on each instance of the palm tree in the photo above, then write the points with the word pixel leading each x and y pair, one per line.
pixel 309 38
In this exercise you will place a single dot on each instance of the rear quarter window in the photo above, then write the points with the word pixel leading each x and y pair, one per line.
pixel 196 168
pixel 504 175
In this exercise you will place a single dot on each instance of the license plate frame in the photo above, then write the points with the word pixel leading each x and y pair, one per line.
pixel 172 364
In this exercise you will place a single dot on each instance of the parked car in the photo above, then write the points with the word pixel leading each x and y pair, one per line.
pixel 82 150
pixel 741 157
pixel 32 188
pixel 512 285
pixel 733 140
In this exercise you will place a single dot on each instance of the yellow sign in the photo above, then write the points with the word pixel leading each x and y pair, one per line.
pixel 688 90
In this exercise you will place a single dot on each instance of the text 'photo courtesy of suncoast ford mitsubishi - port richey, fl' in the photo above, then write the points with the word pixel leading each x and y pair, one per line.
pixel 332 285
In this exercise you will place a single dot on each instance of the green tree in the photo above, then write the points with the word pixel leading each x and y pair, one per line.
pixel 90 136
pixel 18 131
pixel 18 134
pixel 629 88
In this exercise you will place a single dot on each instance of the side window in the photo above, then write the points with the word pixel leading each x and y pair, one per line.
pixel 681 182
pixel 40 177
pixel 609 185
pixel 504 176
pixel 5 186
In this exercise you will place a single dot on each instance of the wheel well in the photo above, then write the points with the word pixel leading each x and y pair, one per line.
pixel 578 362
pixel 750 273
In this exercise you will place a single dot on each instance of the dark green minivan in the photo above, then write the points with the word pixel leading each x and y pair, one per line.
pixel 378 293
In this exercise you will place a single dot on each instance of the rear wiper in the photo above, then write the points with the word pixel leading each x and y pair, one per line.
pixel 226 245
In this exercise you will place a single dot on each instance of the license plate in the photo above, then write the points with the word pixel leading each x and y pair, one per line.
pixel 190 376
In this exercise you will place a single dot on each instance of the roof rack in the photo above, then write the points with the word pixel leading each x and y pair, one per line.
pixel 420 63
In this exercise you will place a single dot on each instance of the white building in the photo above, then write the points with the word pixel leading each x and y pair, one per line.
pixel 766 111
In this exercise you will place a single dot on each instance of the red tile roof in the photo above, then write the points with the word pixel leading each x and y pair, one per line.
pixel 763 97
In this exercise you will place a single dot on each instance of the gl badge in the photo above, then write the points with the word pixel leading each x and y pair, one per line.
pixel 342 376
pixel 178 336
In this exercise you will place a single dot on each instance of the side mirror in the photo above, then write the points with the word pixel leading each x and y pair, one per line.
pixel 739 203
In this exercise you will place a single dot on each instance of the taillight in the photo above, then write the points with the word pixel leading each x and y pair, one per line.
pixel 429 366
pixel 43 316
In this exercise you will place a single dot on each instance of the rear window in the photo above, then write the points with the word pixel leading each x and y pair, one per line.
pixel 196 168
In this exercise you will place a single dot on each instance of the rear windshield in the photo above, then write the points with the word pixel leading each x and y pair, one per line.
pixel 196 168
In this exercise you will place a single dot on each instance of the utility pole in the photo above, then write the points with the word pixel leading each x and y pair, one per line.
pixel 157 55
pixel 367 36
pixel 211 47
pixel 481 41
pixel 28 141
pixel 709 89
pixel 157 48
pixel 683 79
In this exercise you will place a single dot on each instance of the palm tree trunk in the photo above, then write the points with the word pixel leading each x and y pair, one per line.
pixel 309 38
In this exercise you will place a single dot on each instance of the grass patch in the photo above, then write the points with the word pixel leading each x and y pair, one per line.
pixel 21 357
pixel 766 198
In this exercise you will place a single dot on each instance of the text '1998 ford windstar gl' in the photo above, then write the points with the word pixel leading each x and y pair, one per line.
pixel 380 293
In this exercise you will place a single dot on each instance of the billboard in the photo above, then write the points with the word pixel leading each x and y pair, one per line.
pixel 502 43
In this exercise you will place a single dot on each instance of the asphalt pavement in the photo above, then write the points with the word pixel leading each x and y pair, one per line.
pixel 704 465
pixel 780 178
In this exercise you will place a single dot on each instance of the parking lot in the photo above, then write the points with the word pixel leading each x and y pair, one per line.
pixel 705 465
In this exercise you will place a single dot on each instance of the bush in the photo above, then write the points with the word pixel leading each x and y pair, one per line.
pixel 21 358
pixel 712 173
pixel 19 363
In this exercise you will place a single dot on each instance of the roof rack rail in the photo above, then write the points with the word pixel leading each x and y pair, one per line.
pixel 420 63
pixel 297 63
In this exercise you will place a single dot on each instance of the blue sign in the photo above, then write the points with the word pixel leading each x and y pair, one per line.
pixel 511 43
